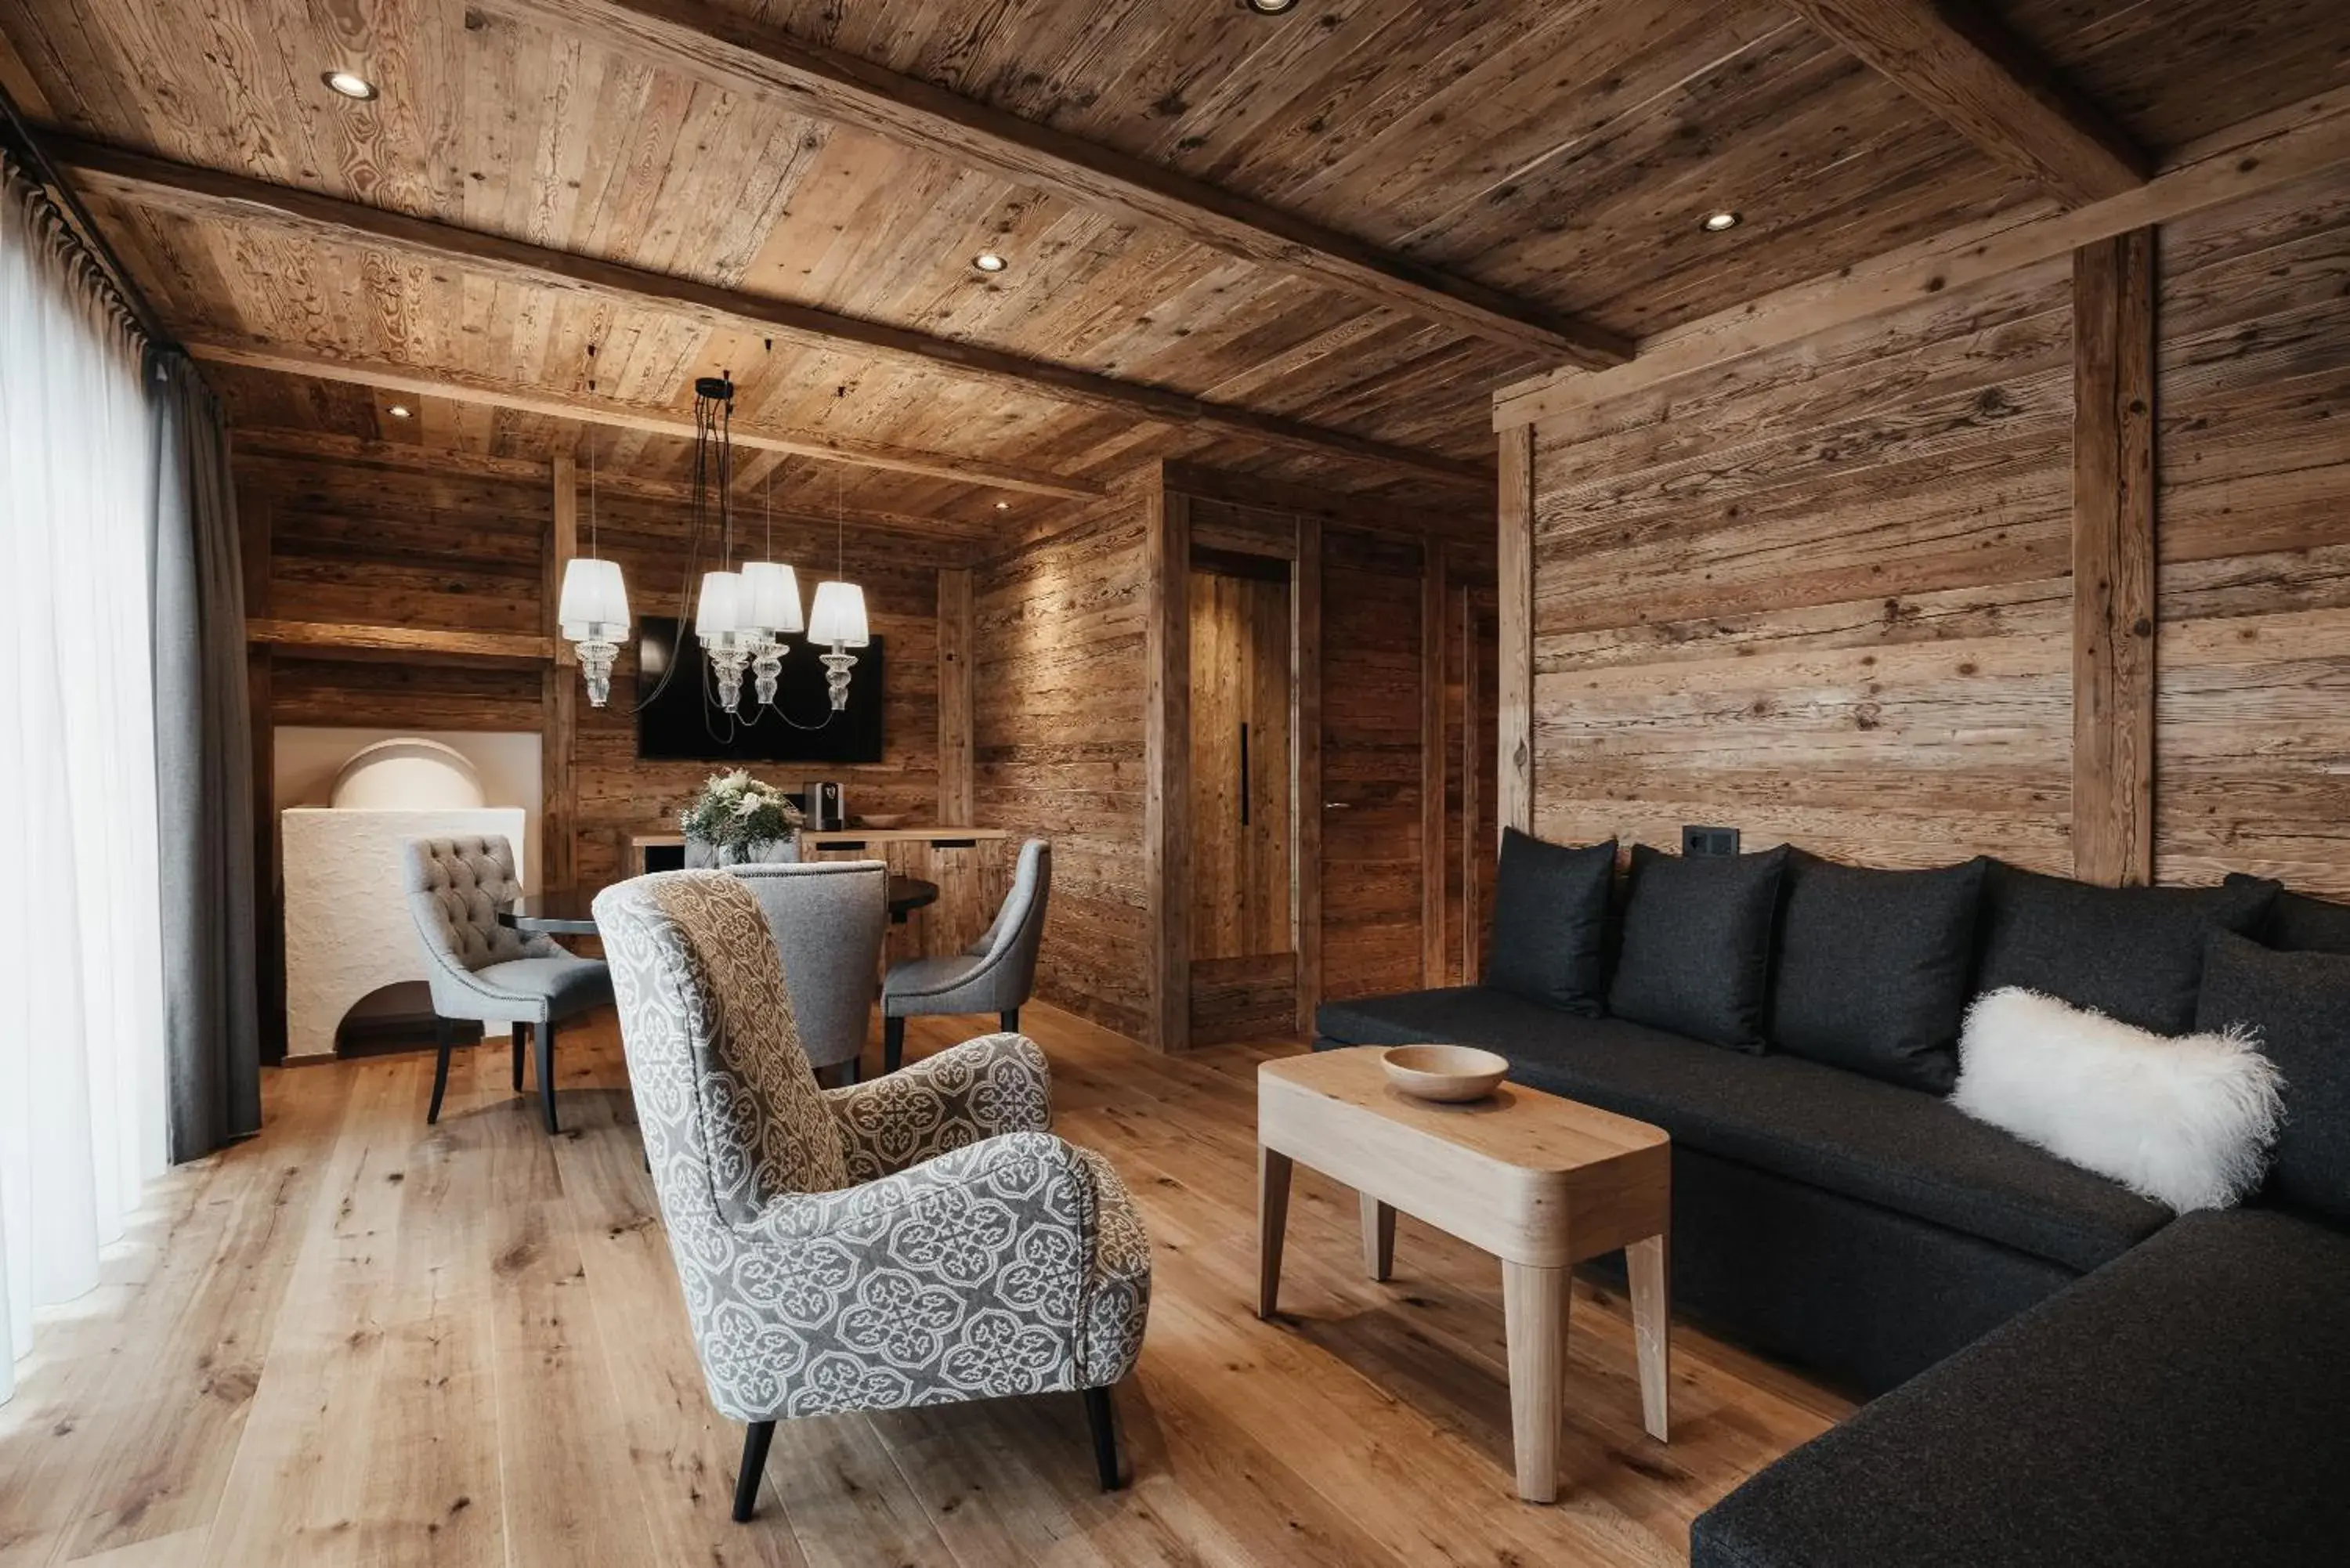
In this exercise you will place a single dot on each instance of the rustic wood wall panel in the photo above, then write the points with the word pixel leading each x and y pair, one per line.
pixel 2252 731
pixel 2113 560
pixel 1373 850
pixel 1058 749
pixel 619 794
pixel 1471 747
pixel 1821 593
pixel 394 545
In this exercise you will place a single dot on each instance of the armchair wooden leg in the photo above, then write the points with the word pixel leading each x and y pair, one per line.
pixel 893 1045
pixel 1101 1416
pixel 445 1035
pixel 521 1040
pixel 544 1037
pixel 1009 1020
pixel 755 1463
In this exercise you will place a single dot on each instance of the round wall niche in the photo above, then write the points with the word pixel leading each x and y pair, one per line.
pixel 409 773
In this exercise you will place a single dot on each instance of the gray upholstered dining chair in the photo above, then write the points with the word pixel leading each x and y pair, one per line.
pixel 994 974
pixel 920 1240
pixel 479 969
pixel 828 918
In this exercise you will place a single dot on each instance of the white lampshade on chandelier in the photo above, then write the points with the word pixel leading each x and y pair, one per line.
pixel 837 621
pixel 593 613
pixel 770 611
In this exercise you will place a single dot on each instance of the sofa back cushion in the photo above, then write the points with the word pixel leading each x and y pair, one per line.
pixel 2135 955
pixel 1874 968
pixel 2299 1003
pixel 1696 955
pixel 2301 924
pixel 1550 923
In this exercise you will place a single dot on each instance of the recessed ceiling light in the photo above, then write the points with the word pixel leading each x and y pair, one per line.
pixel 988 261
pixel 398 410
pixel 1717 223
pixel 1270 7
pixel 1004 506
pixel 350 85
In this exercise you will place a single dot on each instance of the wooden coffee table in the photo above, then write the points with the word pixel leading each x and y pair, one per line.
pixel 1541 1183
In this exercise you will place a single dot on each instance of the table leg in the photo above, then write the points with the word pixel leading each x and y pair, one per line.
pixel 1534 1310
pixel 1272 1221
pixel 1651 1330
pixel 1378 1237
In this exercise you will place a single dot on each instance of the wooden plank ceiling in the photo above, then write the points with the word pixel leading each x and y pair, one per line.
pixel 1554 157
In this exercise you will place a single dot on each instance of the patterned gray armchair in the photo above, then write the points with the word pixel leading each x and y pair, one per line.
pixel 919 1240
pixel 480 968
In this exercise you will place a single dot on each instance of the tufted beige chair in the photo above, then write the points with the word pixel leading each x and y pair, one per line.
pixel 920 1240
pixel 480 968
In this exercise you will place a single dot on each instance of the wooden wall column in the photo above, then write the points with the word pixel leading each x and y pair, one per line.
pixel 1513 805
pixel 1433 755
pixel 260 699
pixel 955 808
pixel 559 695
pixel 2114 560
pixel 1167 763
pixel 1305 745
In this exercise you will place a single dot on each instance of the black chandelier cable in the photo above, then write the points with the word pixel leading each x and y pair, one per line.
pixel 707 392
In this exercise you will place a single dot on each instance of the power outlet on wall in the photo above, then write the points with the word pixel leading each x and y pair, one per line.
pixel 1709 840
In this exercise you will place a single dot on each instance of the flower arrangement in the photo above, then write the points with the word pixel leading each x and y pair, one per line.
pixel 736 815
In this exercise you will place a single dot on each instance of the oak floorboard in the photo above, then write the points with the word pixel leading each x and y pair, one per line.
pixel 359 1340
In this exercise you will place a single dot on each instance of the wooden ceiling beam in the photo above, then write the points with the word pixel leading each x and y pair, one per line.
pixel 328 446
pixel 216 195
pixel 704 42
pixel 2297 142
pixel 1962 63
pixel 425 383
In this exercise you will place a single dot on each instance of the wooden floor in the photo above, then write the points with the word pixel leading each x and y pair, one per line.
pixel 357 1340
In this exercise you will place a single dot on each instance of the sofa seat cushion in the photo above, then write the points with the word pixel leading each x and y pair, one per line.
pixel 2182 1406
pixel 1902 1148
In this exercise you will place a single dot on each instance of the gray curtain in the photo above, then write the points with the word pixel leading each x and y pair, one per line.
pixel 203 755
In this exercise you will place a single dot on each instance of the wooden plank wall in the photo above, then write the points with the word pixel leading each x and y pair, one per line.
pixel 2253 709
pixel 1374 849
pixel 620 796
pixel 1057 748
pixel 399 546
pixel 1821 595
pixel 1825 594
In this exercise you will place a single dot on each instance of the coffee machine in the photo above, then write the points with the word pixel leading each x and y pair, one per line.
pixel 820 804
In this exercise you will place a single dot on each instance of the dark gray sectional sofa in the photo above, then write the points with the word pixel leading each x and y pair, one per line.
pixel 2066 1373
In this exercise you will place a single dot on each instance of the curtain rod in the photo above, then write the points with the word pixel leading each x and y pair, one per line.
pixel 17 135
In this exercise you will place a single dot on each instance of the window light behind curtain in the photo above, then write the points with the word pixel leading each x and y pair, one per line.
pixel 82 1067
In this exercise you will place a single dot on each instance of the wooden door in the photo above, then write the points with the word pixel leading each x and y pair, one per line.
pixel 1242 884
pixel 1373 837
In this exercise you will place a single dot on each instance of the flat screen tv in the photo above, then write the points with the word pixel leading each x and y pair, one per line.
pixel 682 724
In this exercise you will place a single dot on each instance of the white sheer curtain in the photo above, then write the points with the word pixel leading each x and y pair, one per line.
pixel 82 1069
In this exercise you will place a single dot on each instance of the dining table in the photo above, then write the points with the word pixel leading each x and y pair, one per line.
pixel 570 911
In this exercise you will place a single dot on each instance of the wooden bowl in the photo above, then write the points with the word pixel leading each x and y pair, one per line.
pixel 881 821
pixel 1447 1072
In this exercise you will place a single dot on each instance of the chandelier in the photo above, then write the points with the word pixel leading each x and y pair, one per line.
pixel 741 614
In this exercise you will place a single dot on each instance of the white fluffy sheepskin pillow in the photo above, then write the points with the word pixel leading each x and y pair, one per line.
pixel 2185 1121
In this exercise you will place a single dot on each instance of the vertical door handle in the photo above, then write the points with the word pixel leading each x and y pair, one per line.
pixel 1244 775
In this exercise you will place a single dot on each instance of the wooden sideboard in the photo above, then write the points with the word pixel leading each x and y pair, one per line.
pixel 972 865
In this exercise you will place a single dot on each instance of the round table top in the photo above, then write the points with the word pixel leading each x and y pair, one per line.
pixel 569 912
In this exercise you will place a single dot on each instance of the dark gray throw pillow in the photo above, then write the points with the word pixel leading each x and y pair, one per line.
pixel 2135 955
pixel 2301 924
pixel 2300 1002
pixel 1696 953
pixel 1550 923
pixel 1874 968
